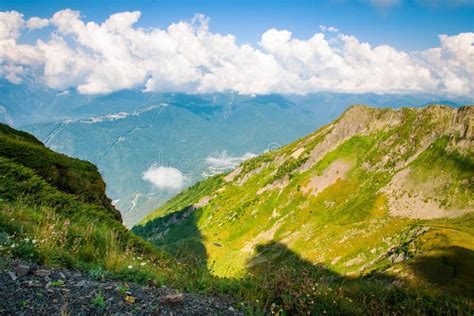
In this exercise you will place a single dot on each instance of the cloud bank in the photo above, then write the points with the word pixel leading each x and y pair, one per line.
pixel 224 160
pixel 97 58
pixel 165 177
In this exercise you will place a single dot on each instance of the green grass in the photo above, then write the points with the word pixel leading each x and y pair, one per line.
pixel 66 174
pixel 57 283
pixel 99 301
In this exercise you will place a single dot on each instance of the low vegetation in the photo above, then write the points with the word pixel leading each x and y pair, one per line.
pixel 347 234
pixel 260 238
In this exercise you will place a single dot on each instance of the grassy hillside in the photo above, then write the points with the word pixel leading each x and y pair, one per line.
pixel 378 192
pixel 54 211
pixel 66 174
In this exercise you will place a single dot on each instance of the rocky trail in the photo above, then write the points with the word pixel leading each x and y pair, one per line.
pixel 30 289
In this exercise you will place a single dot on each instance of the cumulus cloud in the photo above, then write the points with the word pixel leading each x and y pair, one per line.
pixel 224 160
pixel 36 23
pixel 187 56
pixel 165 177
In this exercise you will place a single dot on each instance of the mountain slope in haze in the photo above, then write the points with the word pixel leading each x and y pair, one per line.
pixel 127 132
pixel 377 190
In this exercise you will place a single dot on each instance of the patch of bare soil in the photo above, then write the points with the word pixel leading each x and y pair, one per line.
pixel 337 170
pixel 406 202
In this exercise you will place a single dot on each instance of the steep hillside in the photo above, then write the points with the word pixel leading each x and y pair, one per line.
pixel 291 236
pixel 376 191
pixel 60 203
pixel 68 175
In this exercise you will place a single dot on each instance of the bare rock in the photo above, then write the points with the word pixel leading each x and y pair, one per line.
pixel 173 298
pixel 82 283
pixel 32 284
pixel 43 273
pixel 21 270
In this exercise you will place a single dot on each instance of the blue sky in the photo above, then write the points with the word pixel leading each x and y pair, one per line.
pixel 405 25
pixel 251 47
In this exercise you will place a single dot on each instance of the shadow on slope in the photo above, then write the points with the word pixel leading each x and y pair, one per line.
pixel 178 234
pixel 451 268
pixel 278 279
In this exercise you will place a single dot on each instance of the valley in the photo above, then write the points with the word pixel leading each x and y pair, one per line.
pixel 130 132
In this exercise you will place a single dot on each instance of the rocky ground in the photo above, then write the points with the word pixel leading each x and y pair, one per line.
pixel 29 289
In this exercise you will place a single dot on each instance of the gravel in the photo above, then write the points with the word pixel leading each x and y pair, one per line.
pixel 28 289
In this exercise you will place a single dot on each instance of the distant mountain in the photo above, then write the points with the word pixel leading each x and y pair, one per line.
pixel 376 191
pixel 128 132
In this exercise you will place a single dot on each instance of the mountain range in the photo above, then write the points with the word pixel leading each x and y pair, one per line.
pixel 130 132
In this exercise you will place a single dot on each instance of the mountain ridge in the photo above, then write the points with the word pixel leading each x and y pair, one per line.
pixel 335 188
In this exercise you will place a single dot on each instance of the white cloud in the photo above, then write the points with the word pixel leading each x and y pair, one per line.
pixel 222 162
pixel 11 23
pixel 325 28
pixel 36 23
pixel 62 93
pixel 186 56
pixel 165 177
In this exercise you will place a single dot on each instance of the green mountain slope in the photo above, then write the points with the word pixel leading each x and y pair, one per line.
pixel 66 174
pixel 376 191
